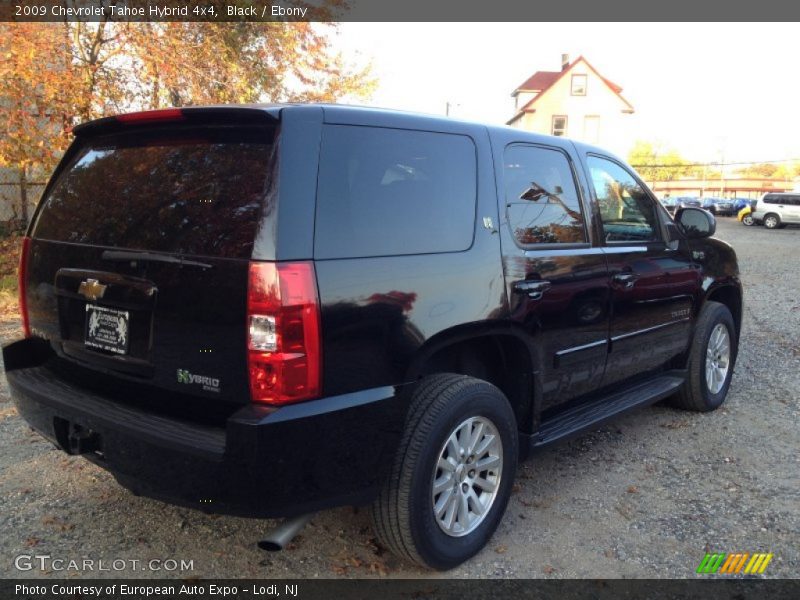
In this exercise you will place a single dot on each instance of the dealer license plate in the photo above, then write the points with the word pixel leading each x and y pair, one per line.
pixel 107 329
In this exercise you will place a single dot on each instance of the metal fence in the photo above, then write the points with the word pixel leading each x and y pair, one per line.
pixel 10 198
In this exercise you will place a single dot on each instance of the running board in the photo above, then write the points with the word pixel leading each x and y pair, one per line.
pixel 588 416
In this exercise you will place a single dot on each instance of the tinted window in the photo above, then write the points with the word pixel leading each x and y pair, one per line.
pixel 391 191
pixel 785 199
pixel 627 212
pixel 541 198
pixel 193 193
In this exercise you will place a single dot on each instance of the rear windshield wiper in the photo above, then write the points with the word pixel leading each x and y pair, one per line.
pixel 133 255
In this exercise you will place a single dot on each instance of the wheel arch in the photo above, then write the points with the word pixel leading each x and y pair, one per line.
pixel 731 296
pixel 498 355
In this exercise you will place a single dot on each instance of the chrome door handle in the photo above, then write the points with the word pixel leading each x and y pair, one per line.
pixel 533 288
pixel 627 279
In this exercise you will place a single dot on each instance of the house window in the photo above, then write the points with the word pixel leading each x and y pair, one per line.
pixel 559 125
pixel 579 85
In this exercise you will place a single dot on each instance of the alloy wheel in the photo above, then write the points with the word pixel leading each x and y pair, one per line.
pixel 467 476
pixel 718 358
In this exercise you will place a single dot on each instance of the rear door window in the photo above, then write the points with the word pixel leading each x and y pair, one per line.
pixel 388 192
pixel 193 192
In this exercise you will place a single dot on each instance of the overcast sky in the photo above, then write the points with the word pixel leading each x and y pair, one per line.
pixel 707 90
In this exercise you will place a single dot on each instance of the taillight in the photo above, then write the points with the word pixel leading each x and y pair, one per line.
pixel 283 332
pixel 151 116
pixel 22 286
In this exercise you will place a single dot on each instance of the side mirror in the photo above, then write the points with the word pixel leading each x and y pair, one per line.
pixel 696 222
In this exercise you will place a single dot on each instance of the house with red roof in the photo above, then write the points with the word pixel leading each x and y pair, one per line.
pixel 577 102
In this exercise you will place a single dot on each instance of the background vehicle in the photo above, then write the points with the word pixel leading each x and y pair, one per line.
pixel 745 216
pixel 778 210
pixel 689 202
pixel 719 206
pixel 671 204
pixel 271 311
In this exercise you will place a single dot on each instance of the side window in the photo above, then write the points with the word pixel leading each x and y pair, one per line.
pixel 390 191
pixel 769 199
pixel 542 201
pixel 627 212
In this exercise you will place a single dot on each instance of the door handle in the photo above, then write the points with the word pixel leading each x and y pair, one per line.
pixel 534 288
pixel 627 279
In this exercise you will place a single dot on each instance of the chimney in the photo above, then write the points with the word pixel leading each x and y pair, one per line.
pixel 564 61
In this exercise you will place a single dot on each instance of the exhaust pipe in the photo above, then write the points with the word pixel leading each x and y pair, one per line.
pixel 279 538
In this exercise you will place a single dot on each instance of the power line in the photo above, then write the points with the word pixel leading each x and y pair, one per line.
pixel 717 164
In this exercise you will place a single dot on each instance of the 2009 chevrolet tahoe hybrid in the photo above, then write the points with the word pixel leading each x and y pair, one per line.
pixel 272 310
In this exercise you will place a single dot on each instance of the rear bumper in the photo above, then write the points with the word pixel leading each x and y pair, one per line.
pixel 264 462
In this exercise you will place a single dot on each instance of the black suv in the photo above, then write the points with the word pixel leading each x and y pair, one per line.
pixel 273 310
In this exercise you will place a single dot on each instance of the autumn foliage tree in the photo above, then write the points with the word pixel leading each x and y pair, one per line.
pixel 656 163
pixel 55 75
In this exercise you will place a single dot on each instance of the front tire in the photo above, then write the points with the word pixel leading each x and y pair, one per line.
pixel 711 360
pixel 748 220
pixel 452 475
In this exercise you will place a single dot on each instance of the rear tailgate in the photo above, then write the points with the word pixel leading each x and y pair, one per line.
pixel 138 266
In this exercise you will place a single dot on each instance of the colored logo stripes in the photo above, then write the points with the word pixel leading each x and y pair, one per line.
pixel 741 562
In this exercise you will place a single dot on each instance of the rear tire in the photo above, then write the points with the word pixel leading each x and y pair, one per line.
pixel 772 221
pixel 711 360
pixel 449 413
pixel 748 220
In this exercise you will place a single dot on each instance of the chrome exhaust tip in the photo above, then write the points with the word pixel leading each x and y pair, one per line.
pixel 280 536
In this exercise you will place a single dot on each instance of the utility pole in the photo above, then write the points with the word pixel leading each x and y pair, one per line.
pixel 447 106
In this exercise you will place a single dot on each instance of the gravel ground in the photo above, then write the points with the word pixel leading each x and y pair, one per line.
pixel 646 496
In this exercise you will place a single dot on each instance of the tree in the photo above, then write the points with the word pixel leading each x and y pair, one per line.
pixel 785 170
pixel 55 75
pixel 656 163
pixel 35 75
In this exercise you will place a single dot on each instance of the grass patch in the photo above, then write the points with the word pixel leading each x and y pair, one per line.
pixel 8 283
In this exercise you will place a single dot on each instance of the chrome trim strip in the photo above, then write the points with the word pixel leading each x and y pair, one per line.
pixel 582 347
pixel 616 338
pixel 583 251
pixel 666 299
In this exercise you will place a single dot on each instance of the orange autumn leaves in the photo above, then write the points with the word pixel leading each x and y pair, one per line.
pixel 55 75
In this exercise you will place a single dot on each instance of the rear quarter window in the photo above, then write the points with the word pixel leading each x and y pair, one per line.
pixel 384 192
pixel 193 192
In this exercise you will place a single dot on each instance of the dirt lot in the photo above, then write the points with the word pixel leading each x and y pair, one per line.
pixel 646 496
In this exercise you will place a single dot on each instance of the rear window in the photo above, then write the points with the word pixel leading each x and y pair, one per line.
pixel 197 192
pixel 391 192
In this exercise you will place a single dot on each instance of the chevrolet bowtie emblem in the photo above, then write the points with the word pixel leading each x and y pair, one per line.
pixel 91 289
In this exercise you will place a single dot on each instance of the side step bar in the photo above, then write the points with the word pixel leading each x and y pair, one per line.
pixel 595 412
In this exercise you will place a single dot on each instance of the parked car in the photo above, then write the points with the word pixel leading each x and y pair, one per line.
pixel 671 204
pixel 689 202
pixel 778 209
pixel 745 216
pixel 719 206
pixel 740 203
pixel 269 311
